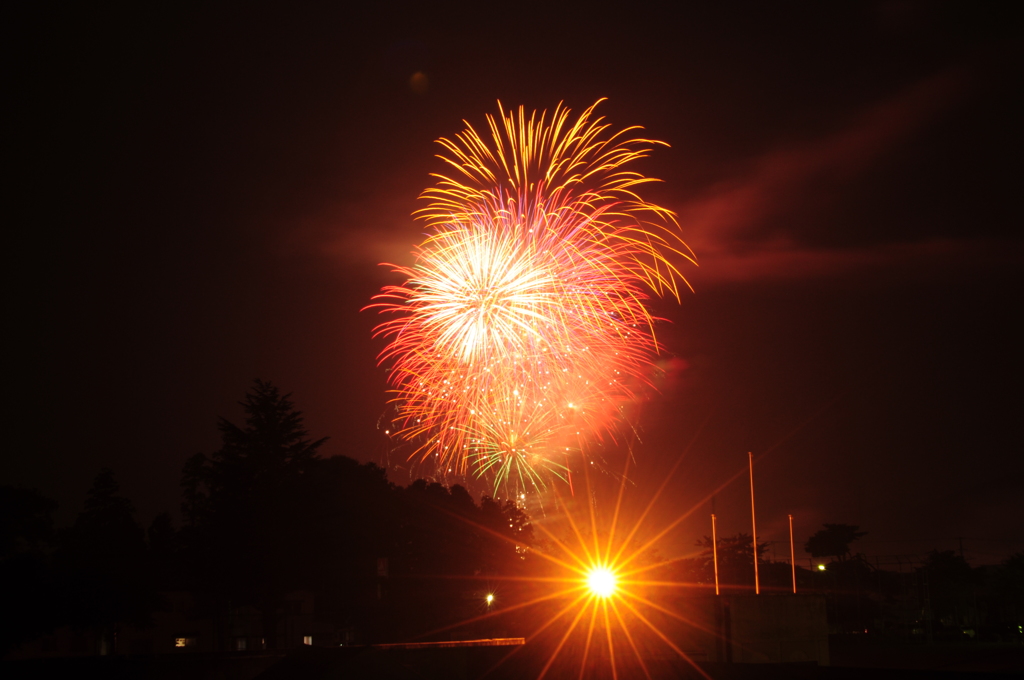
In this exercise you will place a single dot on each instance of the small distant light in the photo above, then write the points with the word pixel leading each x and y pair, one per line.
pixel 307 639
pixel 490 599
pixel 821 567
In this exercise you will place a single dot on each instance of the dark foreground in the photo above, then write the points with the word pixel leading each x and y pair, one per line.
pixel 850 662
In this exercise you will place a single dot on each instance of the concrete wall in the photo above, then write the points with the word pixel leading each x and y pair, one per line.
pixel 772 629
pixel 776 628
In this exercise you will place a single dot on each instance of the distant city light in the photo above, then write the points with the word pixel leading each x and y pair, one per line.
pixel 821 567
pixel 490 599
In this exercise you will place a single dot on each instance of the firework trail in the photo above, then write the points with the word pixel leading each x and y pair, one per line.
pixel 521 330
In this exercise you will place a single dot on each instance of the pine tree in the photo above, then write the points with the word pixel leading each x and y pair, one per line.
pixel 240 505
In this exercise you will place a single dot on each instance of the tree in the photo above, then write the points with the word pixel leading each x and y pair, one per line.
pixel 26 522
pixel 949 580
pixel 449 548
pixel 1006 610
pixel 266 515
pixel 735 560
pixel 27 601
pixel 833 541
pixel 165 554
pixel 241 504
pixel 102 561
pixel 273 446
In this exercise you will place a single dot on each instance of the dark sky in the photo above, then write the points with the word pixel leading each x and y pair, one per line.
pixel 203 197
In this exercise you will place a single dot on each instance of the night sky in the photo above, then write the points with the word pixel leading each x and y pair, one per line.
pixel 202 198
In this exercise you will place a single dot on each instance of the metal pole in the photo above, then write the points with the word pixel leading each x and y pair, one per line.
pixel 753 523
pixel 792 553
pixel 714 549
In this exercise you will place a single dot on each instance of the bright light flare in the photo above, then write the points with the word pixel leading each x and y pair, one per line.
pixel 602 582
pixel 600 587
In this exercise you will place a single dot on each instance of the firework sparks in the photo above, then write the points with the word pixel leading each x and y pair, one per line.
pixel 521 328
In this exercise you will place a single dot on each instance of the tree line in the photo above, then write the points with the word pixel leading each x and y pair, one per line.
pixel 942 598
pixel 267 515
pixel 263 516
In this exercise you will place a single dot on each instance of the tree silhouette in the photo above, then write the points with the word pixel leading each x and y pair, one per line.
pixel 1006 608
pixel 165 554
pixel 273 446
pixel 28 600
pixel 950 582
pixel 833 541
pixel 735 560
pixel 265 515
pixel 26 522
pixel 102 562
pixel 240 505
pixel 449 549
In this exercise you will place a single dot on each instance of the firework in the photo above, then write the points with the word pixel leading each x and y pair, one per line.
pixel 521 329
